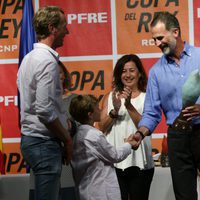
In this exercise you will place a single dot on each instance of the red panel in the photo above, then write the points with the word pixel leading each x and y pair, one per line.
pixel 196 11
pixel 8 101
pixel 89 24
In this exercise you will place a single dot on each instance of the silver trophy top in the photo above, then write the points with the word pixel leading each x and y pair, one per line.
pixel 191 89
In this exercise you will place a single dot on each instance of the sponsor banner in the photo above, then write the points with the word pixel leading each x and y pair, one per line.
pixel 91 77
pixel 14 162
pixel 196 11
pixel 10 24
pixel 89 24
pixel 133 23
pixel 8 101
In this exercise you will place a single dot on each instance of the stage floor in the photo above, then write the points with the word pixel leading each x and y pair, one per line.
pixel 18 186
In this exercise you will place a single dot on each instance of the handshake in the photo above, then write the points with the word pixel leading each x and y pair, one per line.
pixel 135 139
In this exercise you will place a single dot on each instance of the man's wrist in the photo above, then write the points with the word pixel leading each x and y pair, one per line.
pixel 141 134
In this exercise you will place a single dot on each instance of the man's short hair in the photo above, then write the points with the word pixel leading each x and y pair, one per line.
pixel 168 19
pixel 45 16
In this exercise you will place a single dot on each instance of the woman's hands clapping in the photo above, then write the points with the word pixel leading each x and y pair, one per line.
pixel 126 94
pixel 116 101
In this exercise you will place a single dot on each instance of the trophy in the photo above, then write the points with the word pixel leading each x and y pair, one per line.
pixel 190 94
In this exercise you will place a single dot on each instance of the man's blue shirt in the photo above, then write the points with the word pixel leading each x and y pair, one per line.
pixel 164 89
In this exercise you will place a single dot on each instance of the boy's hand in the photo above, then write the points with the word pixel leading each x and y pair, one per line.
pixel 132 141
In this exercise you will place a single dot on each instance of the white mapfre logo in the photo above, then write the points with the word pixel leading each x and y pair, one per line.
pixel 101 17
pixel 8 100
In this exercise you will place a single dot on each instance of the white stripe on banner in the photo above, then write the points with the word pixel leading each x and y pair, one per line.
pixel 147 55
pixel 158 135
pixel 191 22
pixel 83 58
pixel 11 140
pixel 198 12
pixel 114 31
pixel 9 61
pixel 86 58
pixel 17 140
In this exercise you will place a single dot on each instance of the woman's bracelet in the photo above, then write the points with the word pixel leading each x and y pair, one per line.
pixel 113 114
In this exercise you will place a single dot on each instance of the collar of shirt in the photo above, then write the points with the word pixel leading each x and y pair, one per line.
pixel 44 46
pixel 186 51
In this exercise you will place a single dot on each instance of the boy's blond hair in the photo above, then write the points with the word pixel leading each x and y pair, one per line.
pixel 81 105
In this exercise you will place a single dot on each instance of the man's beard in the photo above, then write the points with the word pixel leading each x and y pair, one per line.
pixel 168 49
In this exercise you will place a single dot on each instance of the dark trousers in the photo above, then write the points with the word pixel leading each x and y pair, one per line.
pixel 184 158
pixel 134 183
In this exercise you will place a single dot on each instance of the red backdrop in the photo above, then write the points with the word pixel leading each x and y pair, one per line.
pixel 100 33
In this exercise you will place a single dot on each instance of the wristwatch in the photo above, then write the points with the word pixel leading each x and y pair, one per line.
pixel 141 134
pixel 113 114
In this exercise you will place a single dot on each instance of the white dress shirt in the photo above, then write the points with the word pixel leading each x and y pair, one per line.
pixel 40 91
pixel 92 165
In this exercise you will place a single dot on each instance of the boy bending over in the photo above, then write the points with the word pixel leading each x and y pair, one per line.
pixel 93 157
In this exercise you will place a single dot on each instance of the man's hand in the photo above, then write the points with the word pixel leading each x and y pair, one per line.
pixel 68 150
pixel 134 140
pixel 191 111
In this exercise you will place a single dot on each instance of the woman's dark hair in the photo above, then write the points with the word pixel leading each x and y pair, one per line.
pixel 117 83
